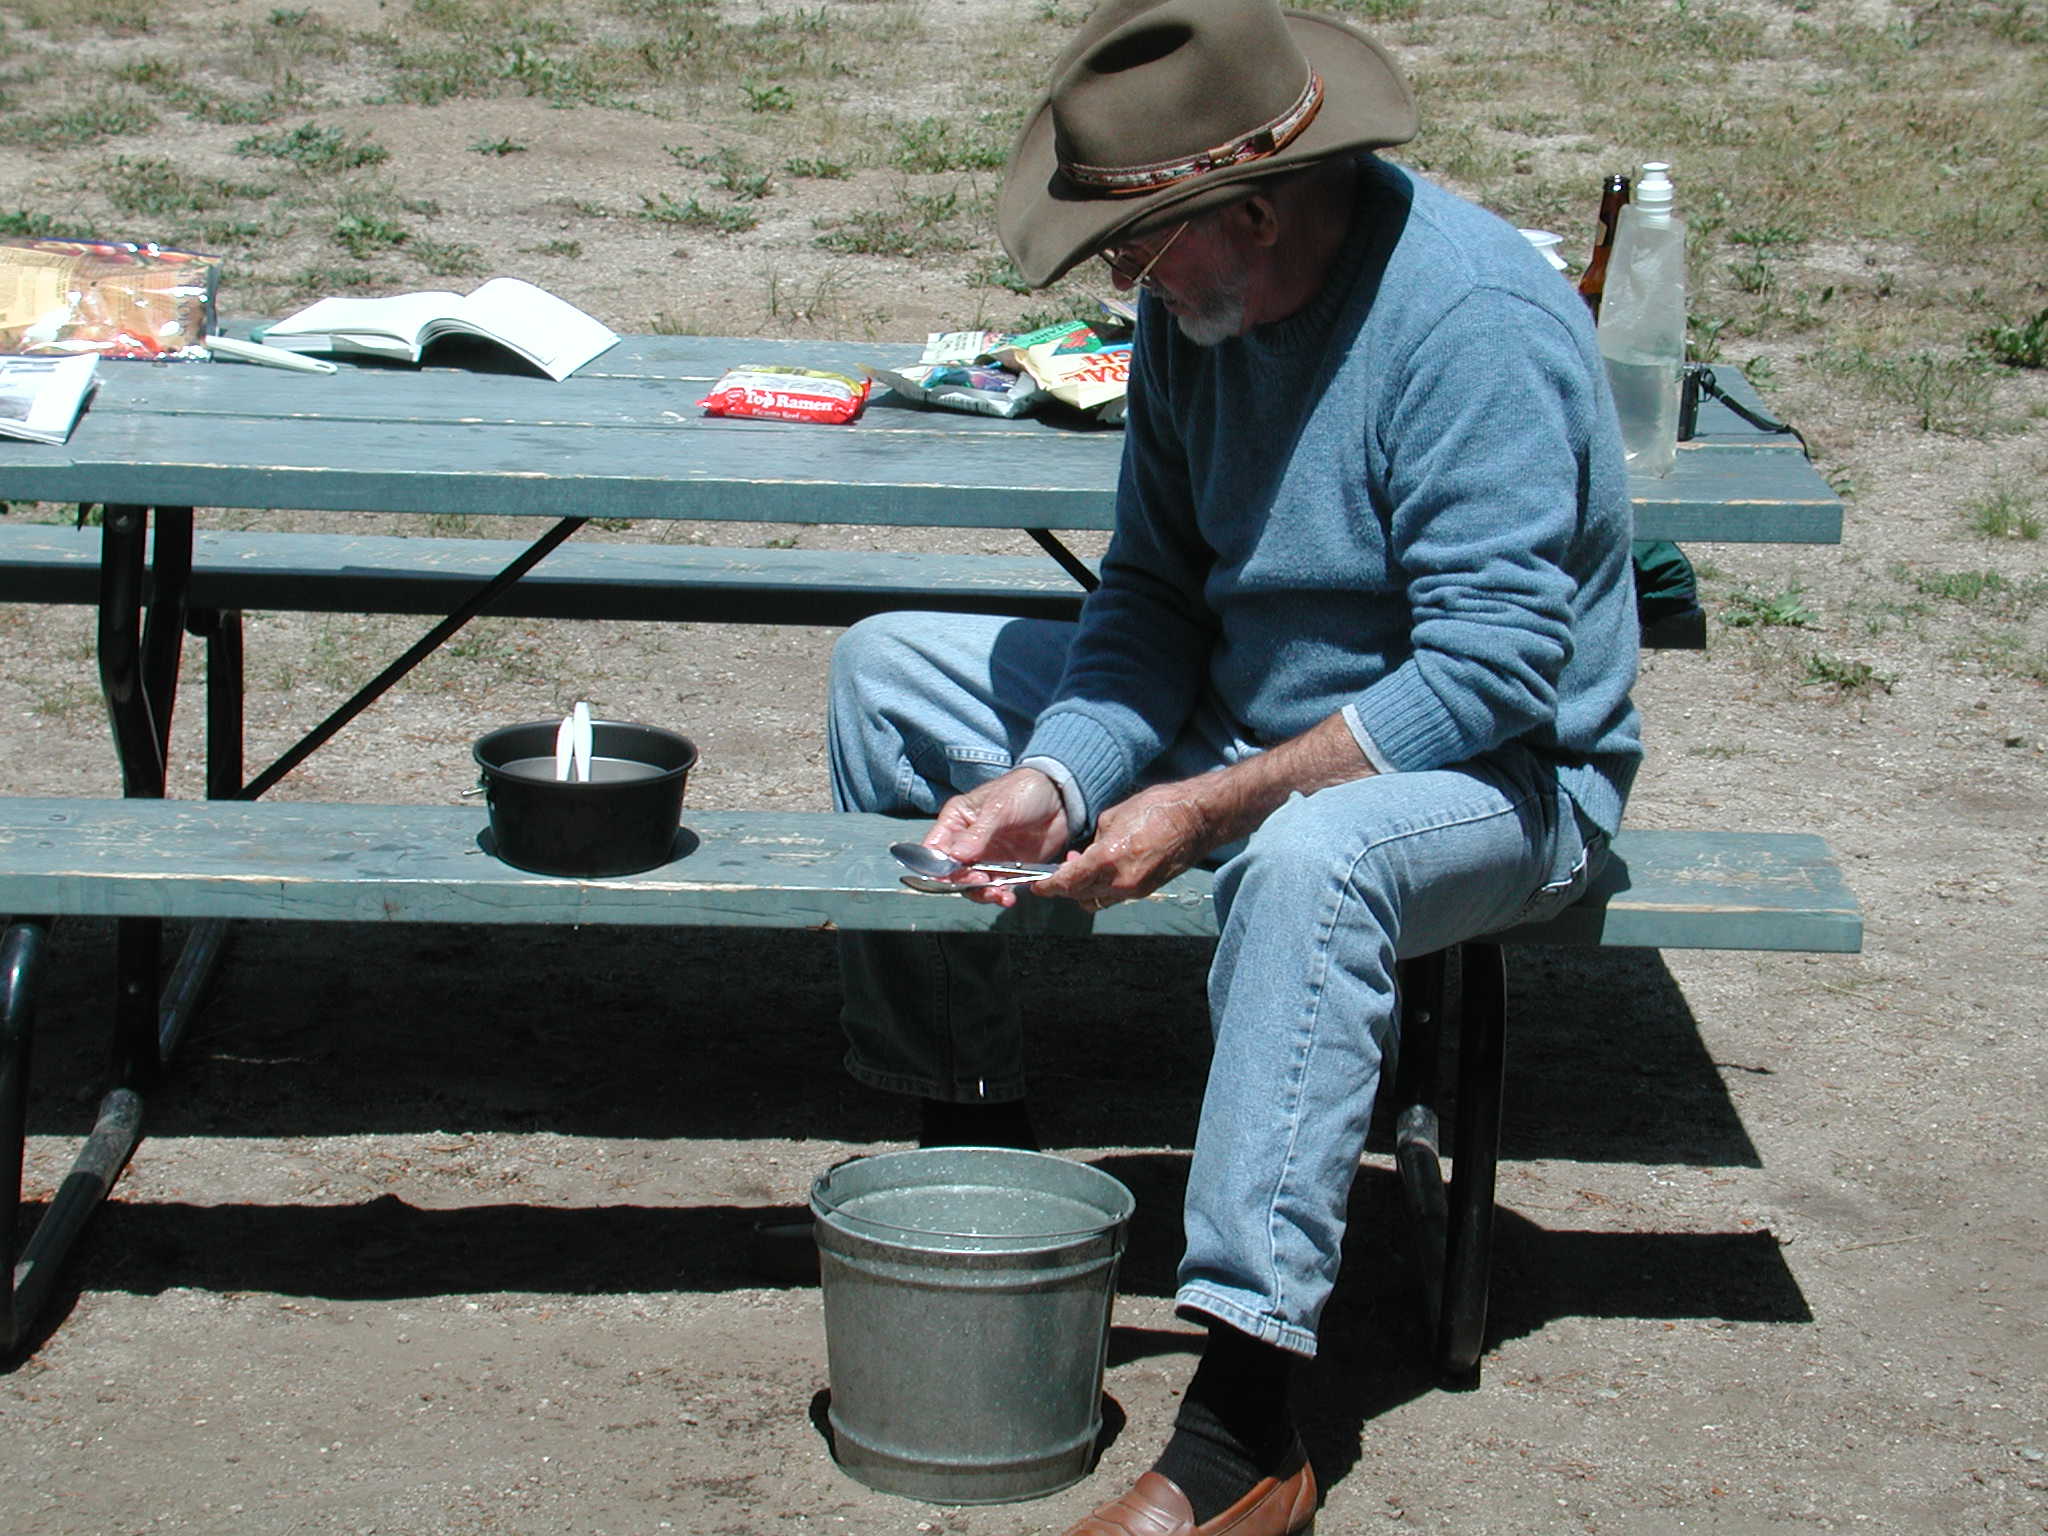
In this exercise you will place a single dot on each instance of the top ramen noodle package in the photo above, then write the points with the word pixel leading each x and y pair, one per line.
pixel 109 298
pixel 787 394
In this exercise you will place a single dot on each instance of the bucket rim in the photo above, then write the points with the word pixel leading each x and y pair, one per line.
pixel 1116 1208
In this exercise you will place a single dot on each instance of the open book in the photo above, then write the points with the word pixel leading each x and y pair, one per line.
pixel 550 333
pixel 40 397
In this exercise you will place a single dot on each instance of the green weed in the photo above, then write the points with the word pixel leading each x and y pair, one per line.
pixel 932 145
pixel 92 122
pixel 154 186
pixel 364 235
pixel 1845 676
pixel 2004 514
pixel 1749 609
pixel 817 169
pixel 1948 395
pixel 767 98
pixel 315 150
pixel 448 258
pixel 497 147
pixel 24 224
pixel 694 215
pixel 2023 345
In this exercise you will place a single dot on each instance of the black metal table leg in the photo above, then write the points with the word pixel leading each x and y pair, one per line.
pixel 1417 1135
pixel 1475 1161
pixel 21 951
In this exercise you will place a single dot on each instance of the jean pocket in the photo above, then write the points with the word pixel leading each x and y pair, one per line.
pixel 1585 855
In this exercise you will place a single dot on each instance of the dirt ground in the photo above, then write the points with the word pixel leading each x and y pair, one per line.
pixel 445 1231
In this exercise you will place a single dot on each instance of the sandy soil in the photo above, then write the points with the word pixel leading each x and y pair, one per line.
pixel 445 1231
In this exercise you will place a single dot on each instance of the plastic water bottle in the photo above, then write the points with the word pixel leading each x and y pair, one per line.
pixel 1642 322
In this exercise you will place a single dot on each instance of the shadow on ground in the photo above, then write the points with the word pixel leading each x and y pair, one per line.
pixel 317 1030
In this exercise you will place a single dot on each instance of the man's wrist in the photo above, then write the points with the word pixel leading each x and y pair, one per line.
pixel 1071 799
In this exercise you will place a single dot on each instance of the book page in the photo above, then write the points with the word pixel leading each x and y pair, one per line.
pixel 40 397
pixel 549 331
pixel 404 315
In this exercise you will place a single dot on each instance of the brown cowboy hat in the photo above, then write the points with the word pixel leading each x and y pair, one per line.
pixel 1165 108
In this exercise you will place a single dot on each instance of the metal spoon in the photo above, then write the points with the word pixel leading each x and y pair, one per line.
pixel 930 887
pixel 934 865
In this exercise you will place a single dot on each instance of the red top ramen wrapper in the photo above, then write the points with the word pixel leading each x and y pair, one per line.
pixel 787 394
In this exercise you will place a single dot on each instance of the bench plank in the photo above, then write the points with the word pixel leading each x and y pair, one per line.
pixel 669 583
pixel 368 863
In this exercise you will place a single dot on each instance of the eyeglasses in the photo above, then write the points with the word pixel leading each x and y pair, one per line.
pixel 1119 260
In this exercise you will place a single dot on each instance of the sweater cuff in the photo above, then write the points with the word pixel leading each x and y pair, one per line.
pixel 1411 729
pixel 1090 756
pixel 1070 791
pixel 1366 744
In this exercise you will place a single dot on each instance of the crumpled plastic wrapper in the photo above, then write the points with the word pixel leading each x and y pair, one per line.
pixel 109 298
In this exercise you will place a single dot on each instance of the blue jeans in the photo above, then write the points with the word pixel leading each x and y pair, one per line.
pixel 1313 911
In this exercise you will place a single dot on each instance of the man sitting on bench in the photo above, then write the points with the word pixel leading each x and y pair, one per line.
pixel 1364 641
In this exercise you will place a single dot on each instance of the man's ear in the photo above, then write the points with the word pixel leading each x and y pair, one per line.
pixel 1260 217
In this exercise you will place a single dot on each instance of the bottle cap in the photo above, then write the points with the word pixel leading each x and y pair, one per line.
pixel 1653 190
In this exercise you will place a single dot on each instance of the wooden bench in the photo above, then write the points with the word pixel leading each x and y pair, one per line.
pixel 216 861
pixel 670 583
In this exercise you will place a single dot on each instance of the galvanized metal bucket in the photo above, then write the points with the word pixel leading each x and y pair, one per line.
pixel 967 1302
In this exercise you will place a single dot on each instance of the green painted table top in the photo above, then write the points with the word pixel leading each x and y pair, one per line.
pixel 626 438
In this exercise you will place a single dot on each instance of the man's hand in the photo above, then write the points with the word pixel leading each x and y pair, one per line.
pixel 1140 844
pixel 1017 816
pixel 1143 842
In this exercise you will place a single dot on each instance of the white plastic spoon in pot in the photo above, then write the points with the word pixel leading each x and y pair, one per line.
pixel 565 735
pixel 581 738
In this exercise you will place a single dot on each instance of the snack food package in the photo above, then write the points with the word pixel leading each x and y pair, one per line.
pixel 787 394
pixel 961 346
pixel 109 298
pixel 1074 364
pixel 981 388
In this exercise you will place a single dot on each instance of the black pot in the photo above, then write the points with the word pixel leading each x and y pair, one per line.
pixel 622 821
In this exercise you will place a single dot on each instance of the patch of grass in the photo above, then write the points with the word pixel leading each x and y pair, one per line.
pixel 365 224
pixel 999 272
pixel 155 186
pixel 2020 345
pixel 243 111
pixel 25 224
pixel 932 145
pixel 816 168
pixel 767 96
pixel 315 150
pixel 1370 11
pixel 815 300
pixel 365 235
pixel 497 147
pixel 2004 514
pixel 1946 395
pixel 1845 676
pixel 87 123
pixel 694 215
pixel 448 258
pixel 566 248
pixel 1993 590
pixel 729 171
pixel 1749 609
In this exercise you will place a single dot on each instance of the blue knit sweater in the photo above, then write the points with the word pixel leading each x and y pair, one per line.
pixel 1405 502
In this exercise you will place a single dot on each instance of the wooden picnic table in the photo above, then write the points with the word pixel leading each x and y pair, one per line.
pixel 624 438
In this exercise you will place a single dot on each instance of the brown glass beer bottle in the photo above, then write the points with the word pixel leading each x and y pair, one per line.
pixel 1593 281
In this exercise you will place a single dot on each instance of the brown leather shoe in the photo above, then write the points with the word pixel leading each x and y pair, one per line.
pixel 1155 1506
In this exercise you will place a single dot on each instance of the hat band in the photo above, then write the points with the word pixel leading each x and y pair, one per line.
pixel 1267 139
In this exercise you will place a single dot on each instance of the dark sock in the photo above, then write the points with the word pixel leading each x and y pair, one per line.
pixel 944 1124
pixel 1234 1425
